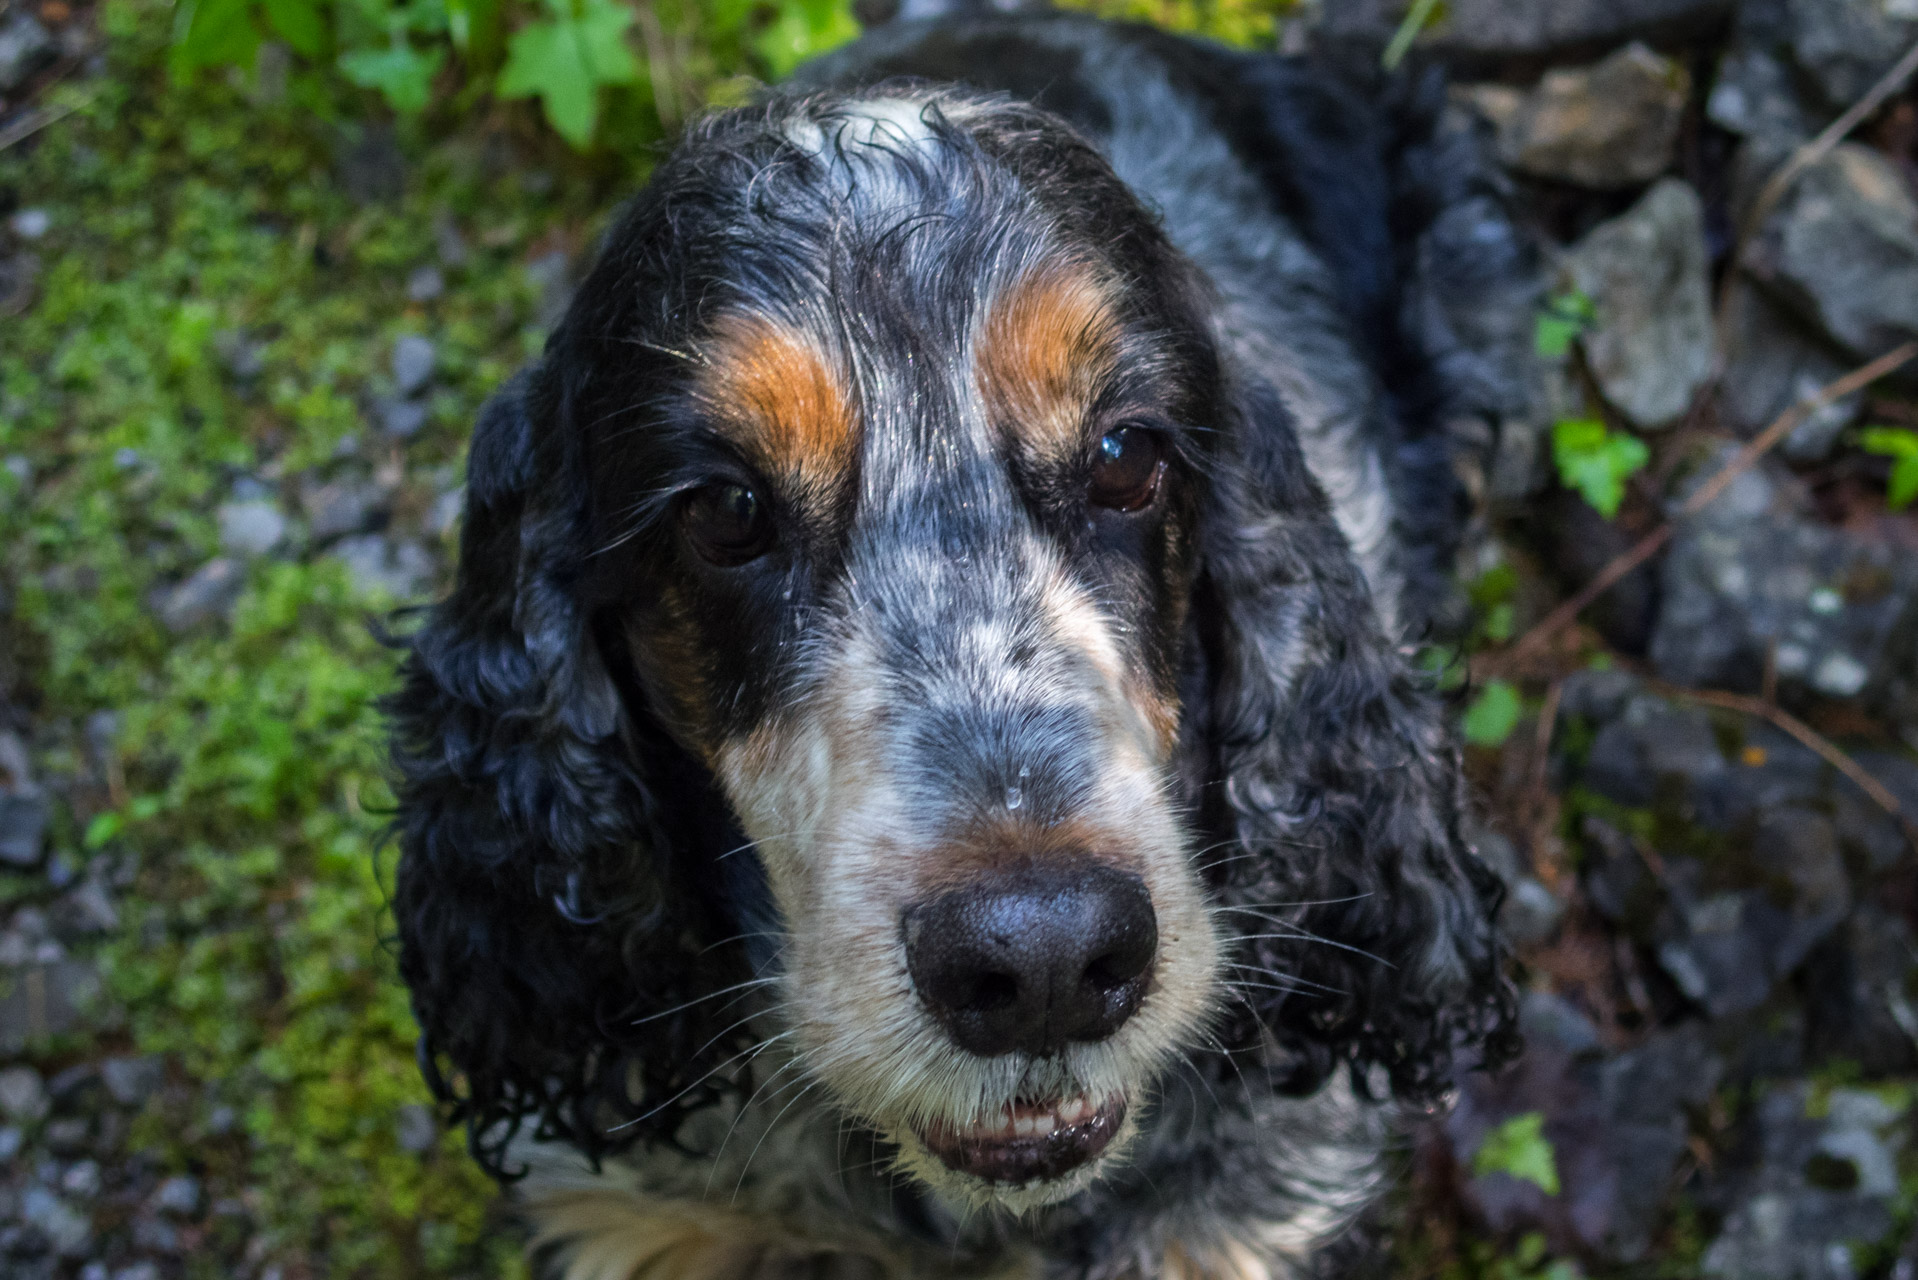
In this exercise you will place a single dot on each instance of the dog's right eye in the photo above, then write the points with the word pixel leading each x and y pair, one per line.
pixel 727 523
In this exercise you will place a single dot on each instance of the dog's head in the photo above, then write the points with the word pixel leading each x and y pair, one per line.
pixel 885 631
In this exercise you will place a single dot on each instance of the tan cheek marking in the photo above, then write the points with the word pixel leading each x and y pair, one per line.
pixel 782 401
pixel 1046 346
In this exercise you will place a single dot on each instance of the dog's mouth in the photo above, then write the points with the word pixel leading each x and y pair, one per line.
pixel 1029 1141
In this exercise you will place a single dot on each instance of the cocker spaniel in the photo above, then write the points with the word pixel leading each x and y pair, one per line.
pixel 921 773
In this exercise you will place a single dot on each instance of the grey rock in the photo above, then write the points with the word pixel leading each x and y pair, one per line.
pixel 1649 741
pixel 341 507
pixel 12 1139
pixel 179 1196
pixel 16 766
pixel 252 527
pixel 1720 960
pixel 414 360
pixel 82 1179
pixel 209 592
pixel 1647 273
pixel 1841 249
pixel 1847 45
pixel 95 1271
pixel 131 1081
pixel 66 1229
pixel 243 356
pixel 154 1235
pixel 1772 362
pixel 23 1095
pixel 1613 124
pixel 30 224
pixel 418 1131
pixel 25 47
pixel 23 827
pixel 550 274
pixel 44 999
pixel 1644 1093
pixel 1863 826
pixel 67 1136
pixel 1751 574
pixel 1530 913
pixel 88 908
pixel 138 1271
pixel 1489 33
pixel 425 284
pixel 1862 994
pixel 1754 94
pixel 448 243
pixel 444 515
pixel 379 567
pixel 1823 1186
pixel 400 419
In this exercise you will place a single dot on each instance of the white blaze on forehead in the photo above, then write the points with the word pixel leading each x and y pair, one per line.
pixel 861 142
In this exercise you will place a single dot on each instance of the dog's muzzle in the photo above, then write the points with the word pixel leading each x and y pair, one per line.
pixel 1032 960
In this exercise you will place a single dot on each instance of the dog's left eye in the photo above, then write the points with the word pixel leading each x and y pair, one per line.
pixel 1126 468
pixel 727 523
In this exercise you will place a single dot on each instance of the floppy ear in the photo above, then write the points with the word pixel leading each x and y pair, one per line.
pixel 549 910
pixel 1364 923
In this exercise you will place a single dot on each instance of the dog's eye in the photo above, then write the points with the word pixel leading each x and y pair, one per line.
pixel 1126 468
pixel 726 523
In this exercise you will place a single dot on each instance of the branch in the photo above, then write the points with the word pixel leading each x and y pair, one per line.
pixel 1830 751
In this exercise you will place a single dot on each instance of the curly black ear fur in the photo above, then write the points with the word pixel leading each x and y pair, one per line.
pixel 1337 772
pixel 548 909
pixel 1365 924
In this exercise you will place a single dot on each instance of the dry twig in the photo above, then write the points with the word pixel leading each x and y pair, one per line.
pixel 1829 751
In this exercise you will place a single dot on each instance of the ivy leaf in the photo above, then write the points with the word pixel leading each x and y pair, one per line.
pixel 297 22
pixel 1566 316
pixel 802 29
pixel 1901 445
pixel 1520 1149
pixel 210 33
pixel 1596 462
pixel 402 74
pixel 1493 715
pixel 566 60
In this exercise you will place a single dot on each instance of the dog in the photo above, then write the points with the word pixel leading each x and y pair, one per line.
pixel 923 772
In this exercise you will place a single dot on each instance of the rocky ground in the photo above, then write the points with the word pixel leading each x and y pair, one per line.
pixel 1713 912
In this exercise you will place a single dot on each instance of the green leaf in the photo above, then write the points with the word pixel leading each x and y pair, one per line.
pixel 402 74
pixel 1520 1149
pixel 1566 316
pixel 1596 462
pixel 565 61
pixel 297 22
pixel 211 33
pixel 103 828
pixel 803 29
pixel 1493 715
pixel 1901 444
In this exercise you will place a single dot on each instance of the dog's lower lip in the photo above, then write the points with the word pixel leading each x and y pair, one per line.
pixel 1029 1142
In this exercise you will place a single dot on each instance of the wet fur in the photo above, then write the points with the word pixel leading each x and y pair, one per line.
pixel 606 968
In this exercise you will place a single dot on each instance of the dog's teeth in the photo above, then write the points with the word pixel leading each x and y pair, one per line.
pixel 1073 1111
pixel 1024 1126
pixel 1042 1125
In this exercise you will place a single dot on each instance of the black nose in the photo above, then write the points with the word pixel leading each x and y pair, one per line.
pixel 1034 959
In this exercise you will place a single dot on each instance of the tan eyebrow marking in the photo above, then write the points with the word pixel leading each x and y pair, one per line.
pixel 781 400
pixel 1046 345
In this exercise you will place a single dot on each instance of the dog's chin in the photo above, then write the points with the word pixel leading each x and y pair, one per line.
pixel 1027 1156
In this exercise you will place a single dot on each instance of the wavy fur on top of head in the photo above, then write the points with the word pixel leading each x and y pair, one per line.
pixel 619 767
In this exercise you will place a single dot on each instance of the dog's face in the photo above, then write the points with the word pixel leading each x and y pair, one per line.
pixel 900 487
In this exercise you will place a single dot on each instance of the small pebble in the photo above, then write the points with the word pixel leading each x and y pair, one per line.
pixel 23 1095
pixel 414 359
pixel 425 284
pixel 178 1195
pixel 30 224
pixel 82 1179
